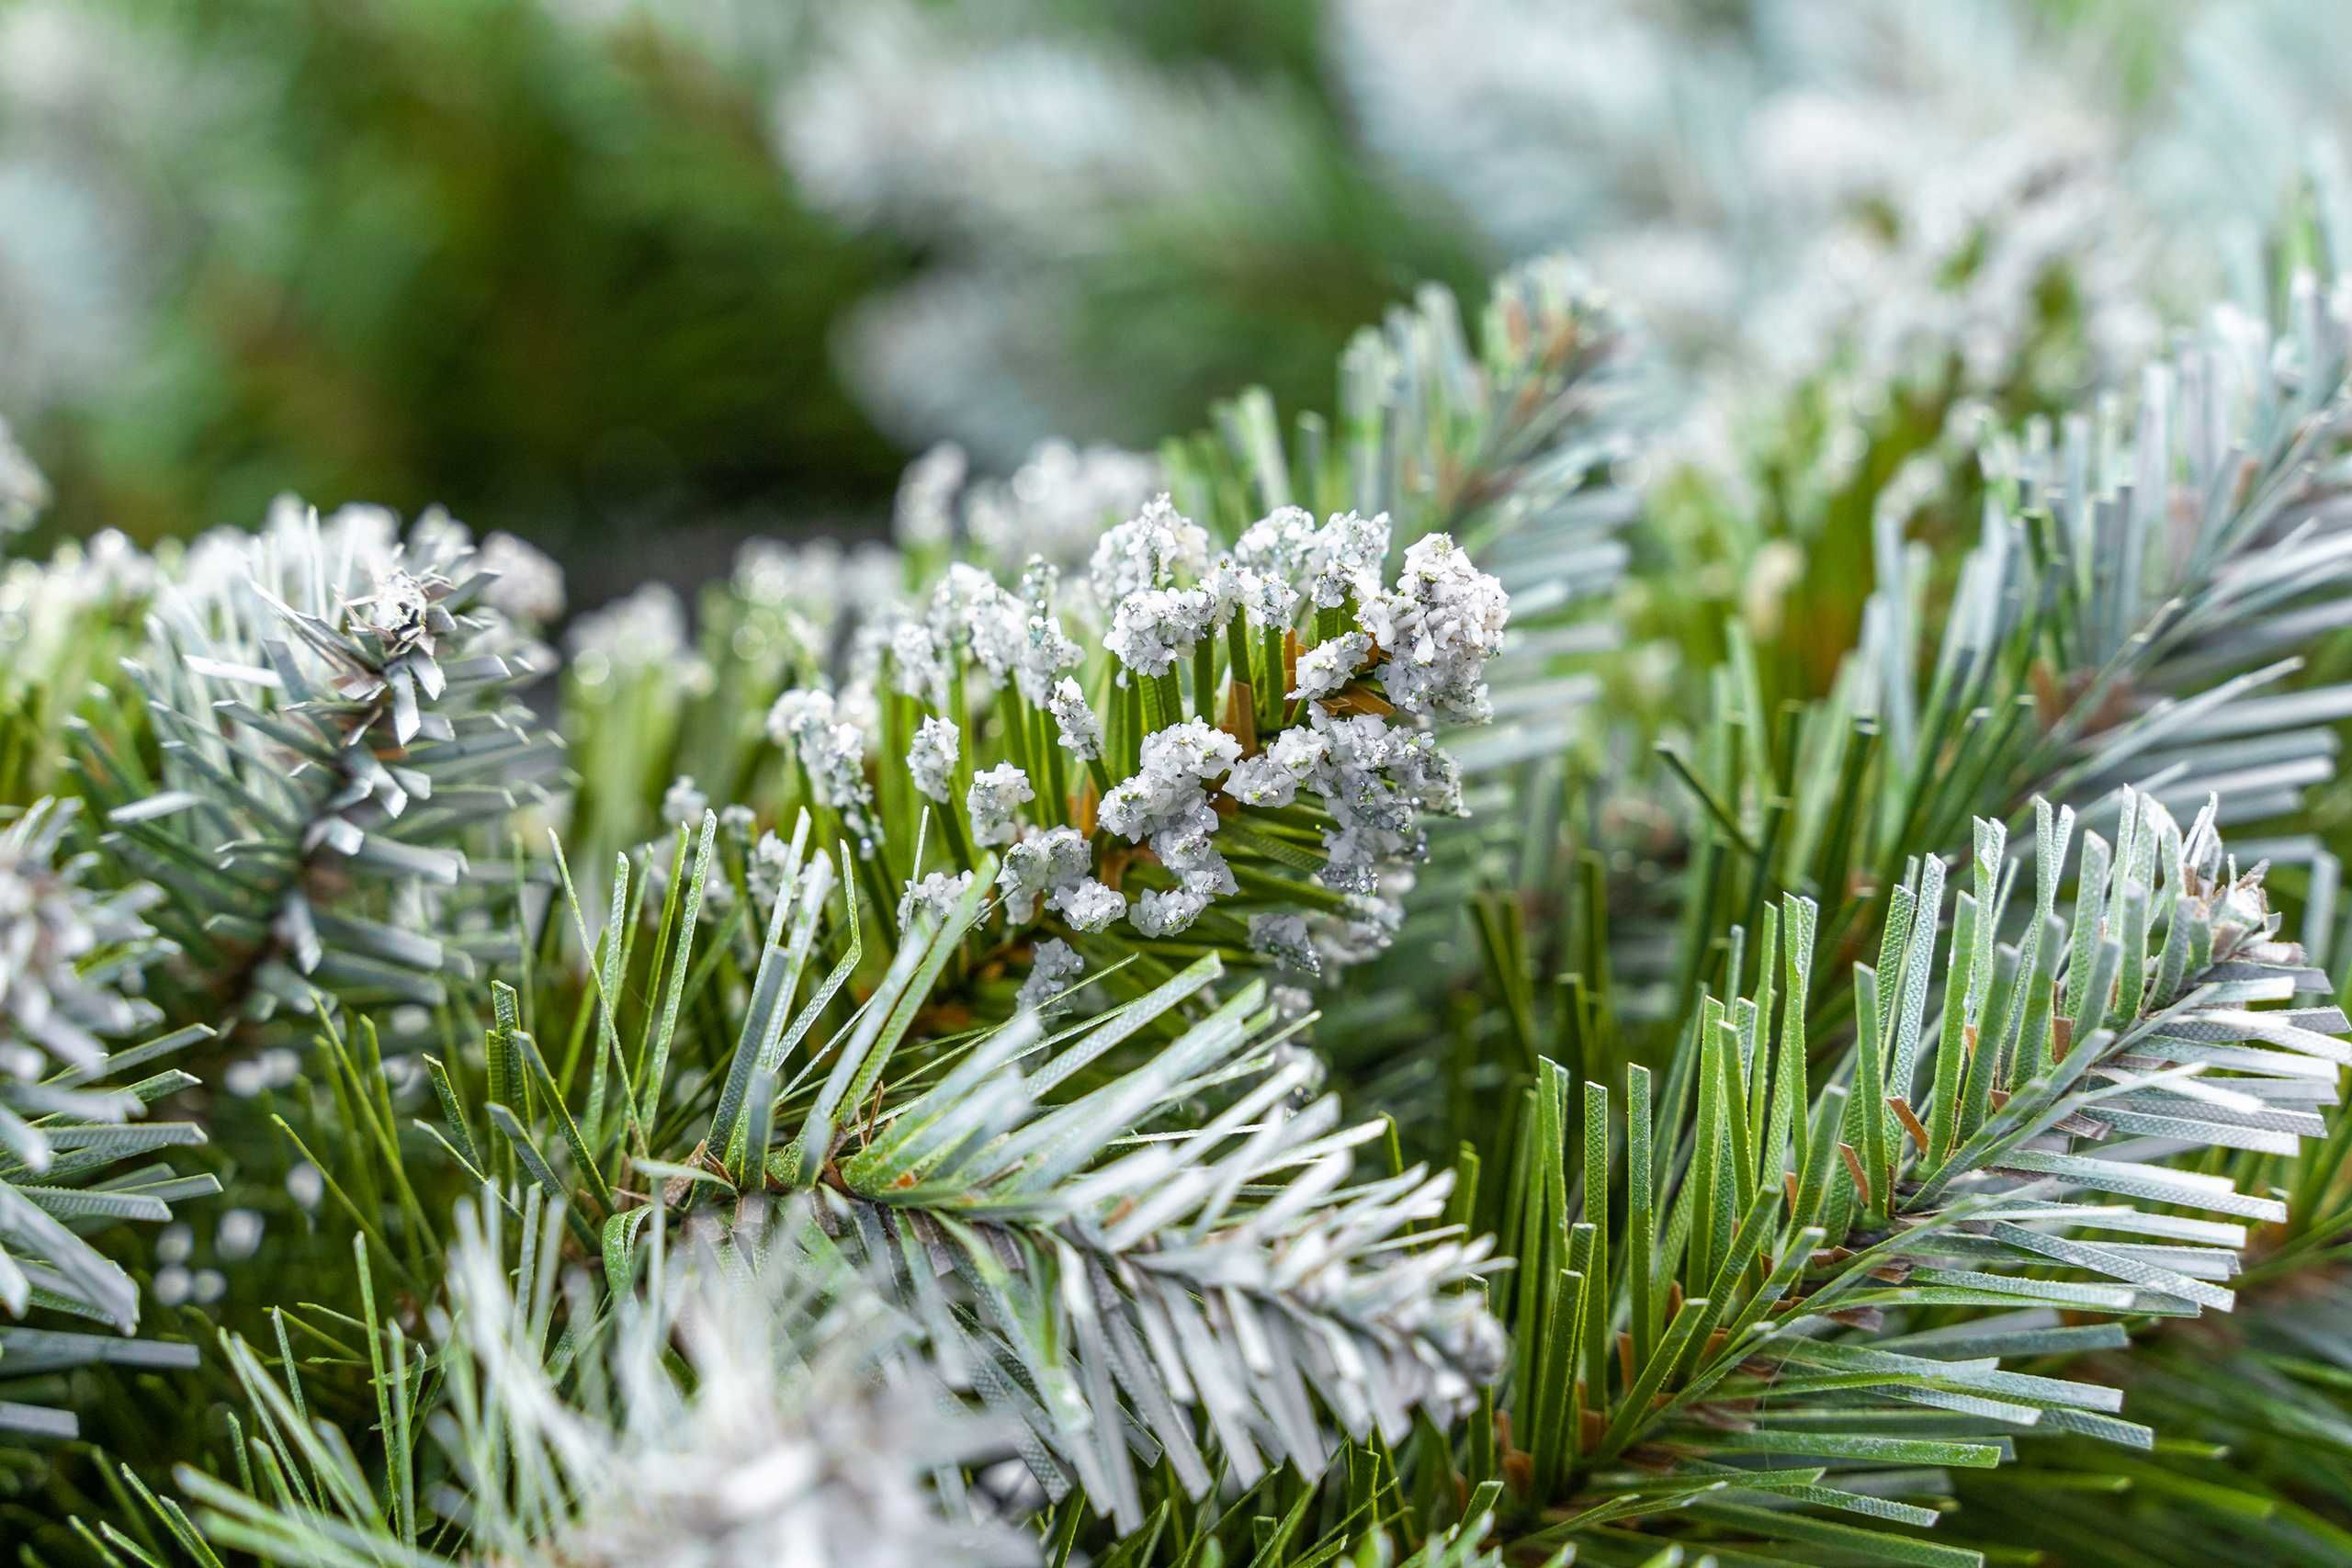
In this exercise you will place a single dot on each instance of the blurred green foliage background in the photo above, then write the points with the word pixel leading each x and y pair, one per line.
pixel 632 279
pixel 439 250
pixel 539 262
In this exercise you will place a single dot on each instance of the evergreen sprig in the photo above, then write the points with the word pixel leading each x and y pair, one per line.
pixel 73 1140
pixel 1755 1272
pixel 334 727
pixel 1880 1153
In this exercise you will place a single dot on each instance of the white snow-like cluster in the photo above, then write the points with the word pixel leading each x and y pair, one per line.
pixel 1055 503
pixel 1439 625
pixel 830 749
pixel 1327 666
pixel 1045 652
pixel 1166 805
pixel 969 613
pixel 1053 970
pixel 1151 550
pixel 1052 507
pixel 934 895
pixel 1153 627
pixel 1081 731
pixel 993 799
pixel 1042 864
pixel 1088 904
pixel 1380 663
pixel 931 760
pixel 682 803
pixel 1272 777
pixel 1286 939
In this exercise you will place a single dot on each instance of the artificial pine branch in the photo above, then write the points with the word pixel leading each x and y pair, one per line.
pixel 2130 613
pixel 71 1119
pixel 1760 1275
pixel 334 727
pixel 1087 1261
pixel 1901 1167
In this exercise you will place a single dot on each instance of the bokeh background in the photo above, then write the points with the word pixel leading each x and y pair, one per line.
pixel 636 280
